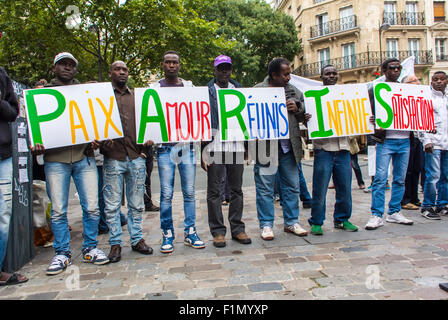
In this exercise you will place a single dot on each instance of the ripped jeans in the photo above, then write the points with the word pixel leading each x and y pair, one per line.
pixel 5 204
pixel 133 173
pixel 85 177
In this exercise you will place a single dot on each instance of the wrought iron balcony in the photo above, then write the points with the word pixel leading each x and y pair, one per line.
pixel 404 18
pixel 365 59
pixel 334 26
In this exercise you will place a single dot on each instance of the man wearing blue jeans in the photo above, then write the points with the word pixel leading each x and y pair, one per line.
pixel 395 145
pixel 60 165
pixel 168 155
pixel 124 160
pixel 435 192
pixel 9 110
pixel 289 154
pixel 331 156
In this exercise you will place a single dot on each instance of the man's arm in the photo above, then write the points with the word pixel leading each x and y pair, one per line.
pixel 9 105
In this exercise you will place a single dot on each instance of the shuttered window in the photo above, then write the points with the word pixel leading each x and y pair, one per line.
pixel 439 11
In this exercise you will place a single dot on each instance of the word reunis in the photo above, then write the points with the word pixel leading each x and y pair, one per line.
pixel 265 116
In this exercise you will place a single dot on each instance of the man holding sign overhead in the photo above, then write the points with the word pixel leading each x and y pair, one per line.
pixel 60 165
pixel 331 157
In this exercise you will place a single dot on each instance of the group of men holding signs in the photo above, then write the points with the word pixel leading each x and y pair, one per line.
pixel 68 121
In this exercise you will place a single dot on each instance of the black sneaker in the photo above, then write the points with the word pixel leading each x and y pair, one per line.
pixel 429 213
pixel 443 211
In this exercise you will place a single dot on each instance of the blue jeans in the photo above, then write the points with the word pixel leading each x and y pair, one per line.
pixel 325 164
pixel 102 225
pixel 85 177
pixel 305 196
pixel 435 192
pixel 398 151
pixel 133 173
pixel 167 158
pixel 289 188
pixel 5 205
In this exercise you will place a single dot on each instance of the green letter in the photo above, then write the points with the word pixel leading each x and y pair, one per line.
pixel 233 113
pixel 317 95
pixel 34 118
pixel 144 119
pixel 390 113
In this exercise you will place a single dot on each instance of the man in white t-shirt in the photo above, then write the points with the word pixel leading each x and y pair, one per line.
pixel 391 145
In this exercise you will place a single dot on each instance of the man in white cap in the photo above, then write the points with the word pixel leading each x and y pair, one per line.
pixel 61 164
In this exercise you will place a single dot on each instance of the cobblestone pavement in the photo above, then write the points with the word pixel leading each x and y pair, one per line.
pixel 393 262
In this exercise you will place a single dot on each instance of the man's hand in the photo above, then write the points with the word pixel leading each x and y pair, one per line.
pixel 372 121
pixel 204 165
pixel 38 149
pixel 307 117
pixel 291 106
pixel 148 143
pixel 109 143
pixel 95 144
pixel 432 131
pixel 429 148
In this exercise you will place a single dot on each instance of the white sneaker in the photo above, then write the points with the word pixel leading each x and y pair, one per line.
pixel 397 217
pixel 58 264
pixel 267 233
pixel 374 222
pixel 296 229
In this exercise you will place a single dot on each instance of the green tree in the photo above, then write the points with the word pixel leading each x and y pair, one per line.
pixel 257 33
pixel 135 31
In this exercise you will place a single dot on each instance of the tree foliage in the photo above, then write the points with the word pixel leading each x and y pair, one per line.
pixel 138 32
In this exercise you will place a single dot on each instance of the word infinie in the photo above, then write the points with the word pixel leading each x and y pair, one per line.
pixel 71 115
pixel 404 107
pixel 338 111
pixel 253 113
pixel 173 115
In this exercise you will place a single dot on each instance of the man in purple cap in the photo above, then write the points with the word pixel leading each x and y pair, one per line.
pixel 62 164
pixel 219 156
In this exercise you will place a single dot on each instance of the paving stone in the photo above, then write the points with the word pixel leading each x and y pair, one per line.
pixel 42 296
pixel 178 285
pixel 276 256
pixel 334 281
pixel 230 290
pixel 247 271
pixel 300 284
pixel 430 293
pixel 161 296
pixel 146 288
pixel 330 292
pixel 432 282
pixel 203 293
pixel 322 257
pixel 211 283
pixel 92 276
pixel 293 260
pixel 306 266
pixel 353 249
pixel 426 263
pixel 277 277
pixel 244 280
pixel 111 291
pixel 402 295
pixel 260 287
pixel 85 294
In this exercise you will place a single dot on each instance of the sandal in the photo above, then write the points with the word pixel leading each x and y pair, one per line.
pixel 13 279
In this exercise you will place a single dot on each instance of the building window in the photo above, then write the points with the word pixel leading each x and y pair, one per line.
pixel 318 1
pixel 346 18
pixel 414 48
pixel 439 11
pixel 411 13
pixel 392 48
pixel 322 24
pixel 390 12
pixel 349 56
pixel 441 50
pixel 324 57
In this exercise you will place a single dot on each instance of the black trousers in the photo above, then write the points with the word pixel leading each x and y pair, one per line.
pixel 149 167
pixel 415 167
pixel 214 201
pixel 356 168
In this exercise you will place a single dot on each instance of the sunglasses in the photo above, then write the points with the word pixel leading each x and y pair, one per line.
pixel 395 67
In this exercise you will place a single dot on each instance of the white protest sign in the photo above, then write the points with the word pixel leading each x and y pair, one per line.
pixel 405 107
pixel 172 114
pixel 70 115
pixel 338 111
pixel 252 113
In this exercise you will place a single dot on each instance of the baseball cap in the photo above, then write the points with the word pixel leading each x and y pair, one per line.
pixel 64 55
pixel 222 59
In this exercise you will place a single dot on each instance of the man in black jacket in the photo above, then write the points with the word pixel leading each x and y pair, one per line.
pixel 218 156
pixel 9 110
